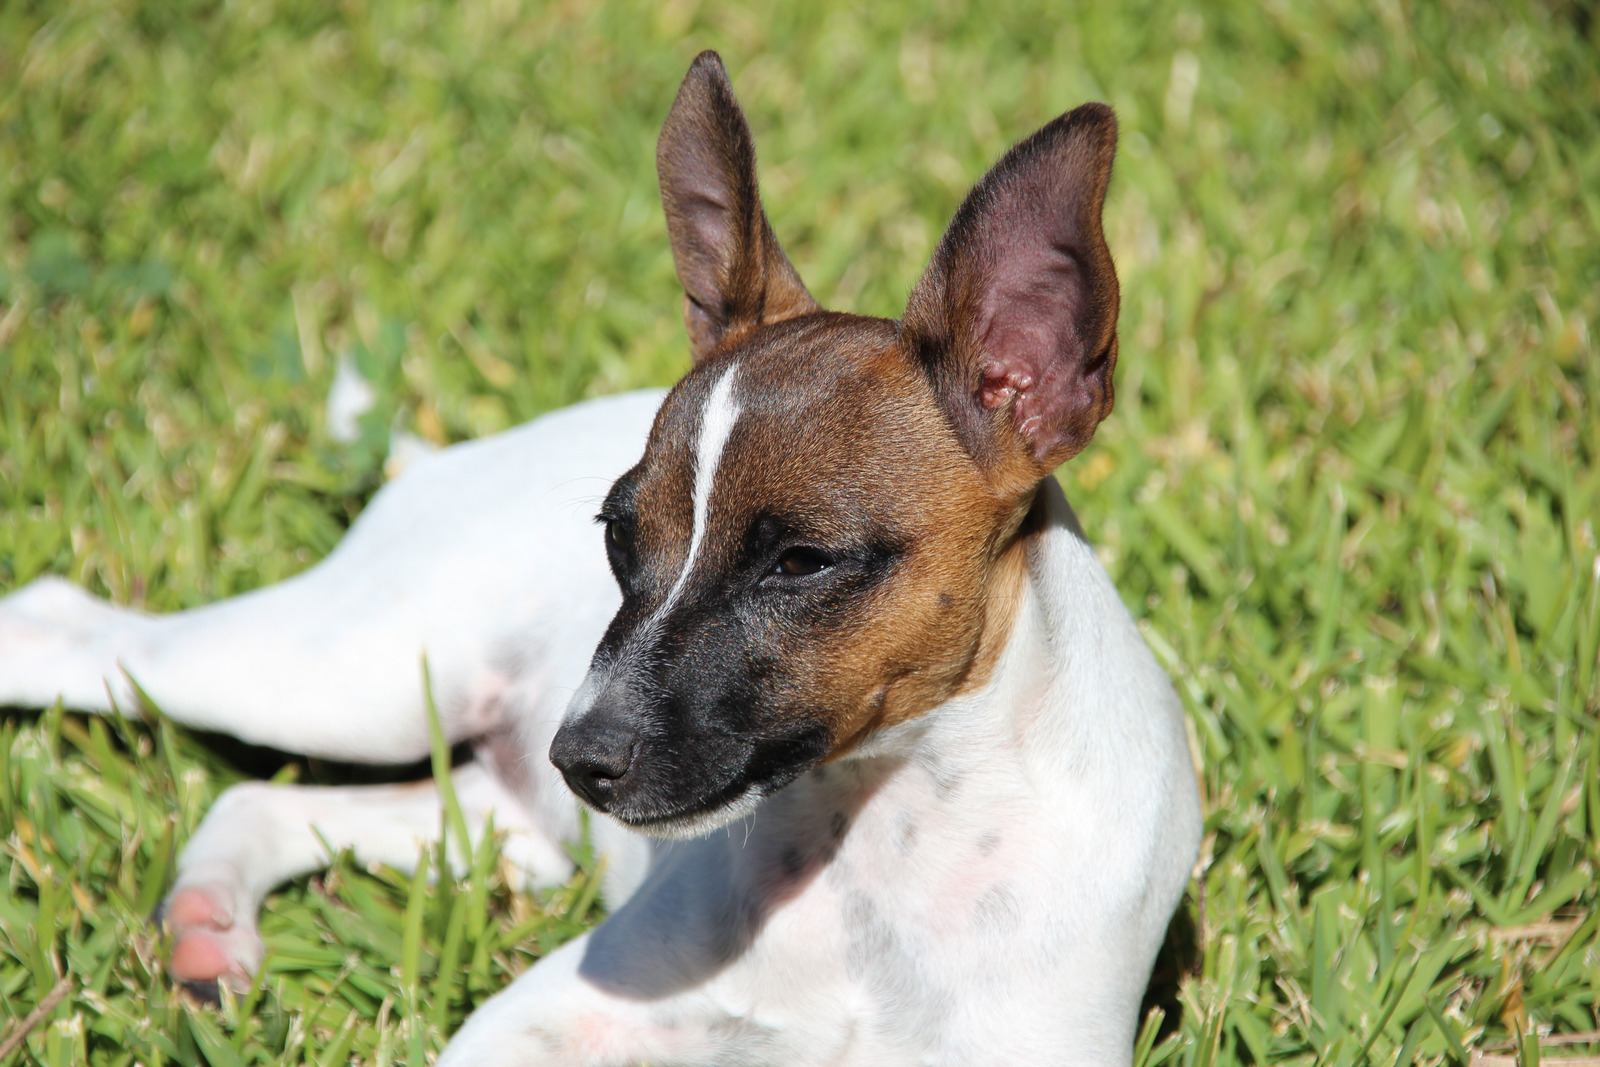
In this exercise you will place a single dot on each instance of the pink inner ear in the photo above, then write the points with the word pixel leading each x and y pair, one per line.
pixel 1022 285
pixel 705 204
pixel 1034 356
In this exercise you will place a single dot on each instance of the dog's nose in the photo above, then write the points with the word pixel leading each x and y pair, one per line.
pixel 595 757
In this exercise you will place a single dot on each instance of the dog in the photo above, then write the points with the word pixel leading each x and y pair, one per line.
pixel 891 776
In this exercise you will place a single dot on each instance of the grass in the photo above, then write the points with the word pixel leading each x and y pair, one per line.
pixel 1349 488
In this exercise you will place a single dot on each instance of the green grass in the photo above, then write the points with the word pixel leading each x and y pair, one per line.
pixel 1349 488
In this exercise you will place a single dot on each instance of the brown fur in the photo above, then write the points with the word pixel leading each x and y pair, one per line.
pixel 899 462
pixel 849 436
pixel 734 274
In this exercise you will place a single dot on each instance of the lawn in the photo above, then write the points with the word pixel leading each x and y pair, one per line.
pixel 1349 488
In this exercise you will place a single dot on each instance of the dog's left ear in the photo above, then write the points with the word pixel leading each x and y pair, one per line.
pixel 734 274
pixel 1015 318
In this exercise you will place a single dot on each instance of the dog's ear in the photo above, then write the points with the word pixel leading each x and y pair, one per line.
pixel 734 274
pixel 1015 318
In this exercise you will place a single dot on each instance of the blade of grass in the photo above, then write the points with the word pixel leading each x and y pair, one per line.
pixel 439 755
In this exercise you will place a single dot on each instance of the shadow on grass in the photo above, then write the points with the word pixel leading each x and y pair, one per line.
pixel 261 761
pixel 1178 959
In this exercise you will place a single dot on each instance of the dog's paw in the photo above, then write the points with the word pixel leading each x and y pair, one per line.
pixel 212 946
pixel 56 601
pixel 56 640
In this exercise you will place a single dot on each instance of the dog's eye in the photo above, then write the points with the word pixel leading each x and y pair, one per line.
pixel 799 562
pixel 619 536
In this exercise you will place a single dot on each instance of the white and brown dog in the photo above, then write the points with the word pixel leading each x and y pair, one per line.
pixel 857 618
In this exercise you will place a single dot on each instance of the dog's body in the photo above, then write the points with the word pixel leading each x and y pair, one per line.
pixel 986 884
pixel 858 623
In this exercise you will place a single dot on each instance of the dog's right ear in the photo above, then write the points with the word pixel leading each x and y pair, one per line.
pixel 734 274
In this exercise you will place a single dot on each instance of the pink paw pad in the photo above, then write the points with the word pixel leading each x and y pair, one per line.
pixel 197 958
pixel 207 946
pixel 196 907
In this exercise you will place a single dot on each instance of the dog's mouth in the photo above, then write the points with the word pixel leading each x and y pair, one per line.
pixel 767 768
pixel 698 822
pixel 674 786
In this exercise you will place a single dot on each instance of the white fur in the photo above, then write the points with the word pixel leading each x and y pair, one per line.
pixel 997 898
pixel 1009 861
pixel 716 426
pixel 483 557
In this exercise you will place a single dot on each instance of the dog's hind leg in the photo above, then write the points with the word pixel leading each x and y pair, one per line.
pixel 258 835
pixel 483 557
pixel 312 665
pixel 59 642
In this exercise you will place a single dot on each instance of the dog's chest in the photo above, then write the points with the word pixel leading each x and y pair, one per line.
pixel 955 850
pixel 924 907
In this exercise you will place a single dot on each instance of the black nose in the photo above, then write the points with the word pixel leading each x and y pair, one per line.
pixel 595 756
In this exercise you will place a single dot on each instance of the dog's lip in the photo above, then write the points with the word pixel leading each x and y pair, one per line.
pixel 704 813
pixel 757 767
pixel 735 800
pixel 700 822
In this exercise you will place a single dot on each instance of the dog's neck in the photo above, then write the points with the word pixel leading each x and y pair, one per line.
pixel 1043 693
pixel 1010 750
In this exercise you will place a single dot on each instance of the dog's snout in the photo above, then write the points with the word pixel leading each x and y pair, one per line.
pixel 595 757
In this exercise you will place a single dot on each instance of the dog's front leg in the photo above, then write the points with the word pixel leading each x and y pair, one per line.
pixel 557 1015
pixel 699 967
pixel 549 1016
pixel 258 835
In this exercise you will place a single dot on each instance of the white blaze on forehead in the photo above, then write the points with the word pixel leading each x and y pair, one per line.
pixel 716 424
pixel 717 417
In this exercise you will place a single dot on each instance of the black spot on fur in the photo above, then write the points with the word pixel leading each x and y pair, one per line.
pixel 906 834
pixel 792 862
pixel 946 783
pixel 206 992
pixel 889 964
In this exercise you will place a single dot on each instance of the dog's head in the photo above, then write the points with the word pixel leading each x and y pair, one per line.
pixel 822 539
